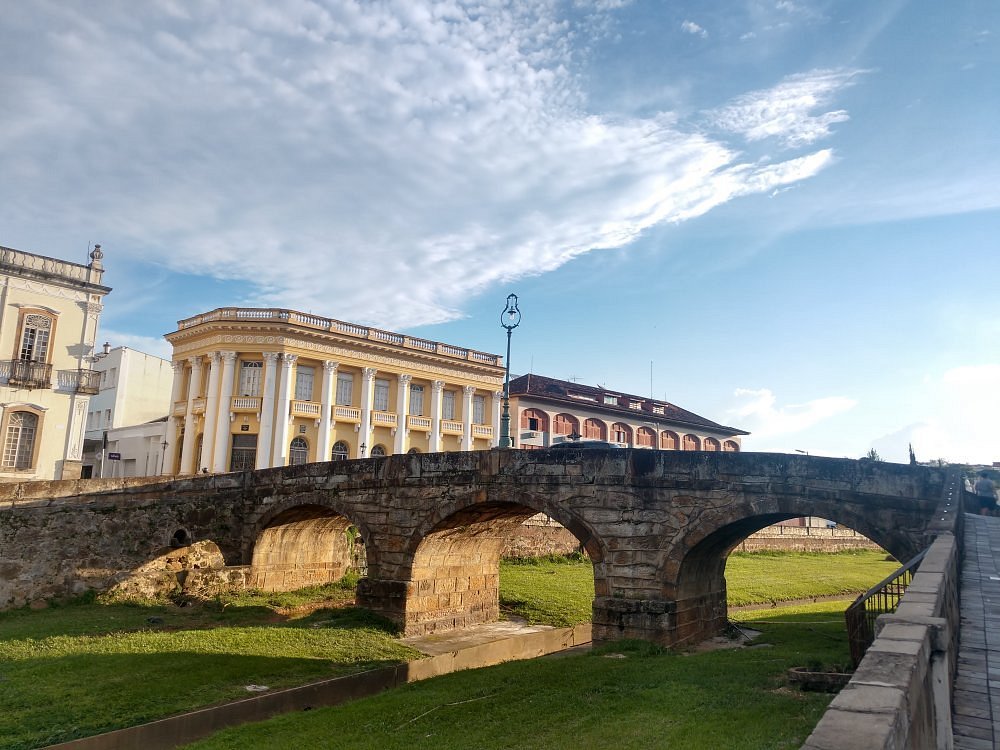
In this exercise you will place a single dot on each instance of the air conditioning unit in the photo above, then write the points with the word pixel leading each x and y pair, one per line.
pixel 529 435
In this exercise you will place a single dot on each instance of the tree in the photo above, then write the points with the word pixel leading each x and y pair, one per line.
pixel 873 455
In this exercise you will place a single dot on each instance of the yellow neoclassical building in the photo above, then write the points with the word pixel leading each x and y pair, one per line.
pixel 50 311
pixel 255 388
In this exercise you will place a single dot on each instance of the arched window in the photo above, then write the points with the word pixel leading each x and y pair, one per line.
pixel 669 440
pixel 711 444
pixel 534 420
pixel 692 443
pixel 595 429
pixel 378 450
pixel 565 424
pixel 645 438
pixel 35 333
pixel 621 433
pixel 298 452
pixel 731 446
pixel 340 451
pixel 413 450
pixel 19 442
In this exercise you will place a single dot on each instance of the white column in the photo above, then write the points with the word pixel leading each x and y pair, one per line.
pixel 279 457
pixel 467 393
pixel 194 391
pixel 325 422
pixel 224 416
pixel 211 413
pixel 268 389
pixel 436 389
pixel 497 408
pixel 169 454
pixel 402 407
pixel 365 434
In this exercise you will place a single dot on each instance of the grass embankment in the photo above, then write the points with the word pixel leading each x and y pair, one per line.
pixel 85 668
pixel 559 590
pixel 80 669
pixel 629 695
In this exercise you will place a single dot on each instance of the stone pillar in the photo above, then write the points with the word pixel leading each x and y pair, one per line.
pixel 169 454
pixel 497 407
pixel 467 393
pixel 223 418
pixel 325 442
pixel 190 423
pixel 365 433
pixel 283 398
pixel 211 413
pixel 268 388
pixel 402 407
pixel 437 387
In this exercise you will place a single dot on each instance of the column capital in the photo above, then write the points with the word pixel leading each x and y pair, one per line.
pixel 498 394
pixel 404 378
pixel 330 366
pixel 270 357
pixel 195 363
pixel 178 365
pixel 369 373
pixel 287 360
pixel 228 357
pixel 437 386
pixel 214 358
pixel 469 390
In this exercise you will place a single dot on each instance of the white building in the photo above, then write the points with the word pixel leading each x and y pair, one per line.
pixel 49 311
pixel 134 391
pixel 141 448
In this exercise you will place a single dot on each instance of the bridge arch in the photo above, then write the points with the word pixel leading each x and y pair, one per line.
pixel 305 541
pixel 453 577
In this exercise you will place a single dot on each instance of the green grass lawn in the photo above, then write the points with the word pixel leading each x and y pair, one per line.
pixel 624 695
pixel 559 590
pixel 76 670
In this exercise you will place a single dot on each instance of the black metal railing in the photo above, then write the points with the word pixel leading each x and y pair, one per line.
pixel 26 373
pixel 880 599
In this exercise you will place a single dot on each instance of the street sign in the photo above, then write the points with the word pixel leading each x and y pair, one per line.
pixel 114 456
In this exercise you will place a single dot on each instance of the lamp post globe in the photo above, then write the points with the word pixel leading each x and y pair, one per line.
pixel 510 319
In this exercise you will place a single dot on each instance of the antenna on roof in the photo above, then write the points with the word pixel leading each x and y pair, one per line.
pixel 650 380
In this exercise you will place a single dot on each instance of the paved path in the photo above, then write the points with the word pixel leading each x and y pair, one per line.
pixel 976 704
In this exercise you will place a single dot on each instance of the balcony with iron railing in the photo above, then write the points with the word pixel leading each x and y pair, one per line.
pixel 79 381
pixel 26 373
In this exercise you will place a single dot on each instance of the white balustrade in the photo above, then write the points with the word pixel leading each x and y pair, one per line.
pixel 347 413
pixel 384 419
pixel 418 423
pixel 305 409
pixel 245 403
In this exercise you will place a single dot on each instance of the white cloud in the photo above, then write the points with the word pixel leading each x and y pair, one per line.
pixel 690 27
pixel 959 420
pixel 763 418
pixel 787 111
pixel 375 162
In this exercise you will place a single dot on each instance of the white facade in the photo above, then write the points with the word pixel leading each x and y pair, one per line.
pixel 50 312
pixel 134 389
pixel 141 449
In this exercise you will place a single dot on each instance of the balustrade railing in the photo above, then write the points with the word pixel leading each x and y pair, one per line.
pixel 880 599
pixel 418 423
pixel 245 403
pixel 79 381
pixel 306 409
pixel 482 430
pixel 451 426
pixel 383 419
pixel 347 413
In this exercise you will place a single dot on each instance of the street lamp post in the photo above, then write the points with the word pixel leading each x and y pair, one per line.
pixel 510 319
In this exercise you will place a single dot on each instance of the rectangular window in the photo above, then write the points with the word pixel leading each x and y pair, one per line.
pixel 611 400
pixel 479 409
pixel 635 405
pixel 107 417
pixel 417 400
pixel 381 395
pixel 657 410
pixel 250 378
pixel 304 383
pixel 448 405
pixel 533 424
pixel 244 455
pixel 345 388
pixel 113 377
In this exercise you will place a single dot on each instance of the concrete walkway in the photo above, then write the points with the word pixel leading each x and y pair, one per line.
pixel 976 701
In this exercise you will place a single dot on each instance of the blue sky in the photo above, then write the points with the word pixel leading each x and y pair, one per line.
pixel 781 215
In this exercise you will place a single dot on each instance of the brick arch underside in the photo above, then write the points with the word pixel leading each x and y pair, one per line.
pixel 454 577
pixel 303 545
pixel 696 572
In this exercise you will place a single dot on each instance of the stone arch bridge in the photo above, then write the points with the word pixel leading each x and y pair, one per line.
pixel 658 526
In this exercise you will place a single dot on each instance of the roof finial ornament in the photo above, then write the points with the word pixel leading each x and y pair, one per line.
pixel 96 255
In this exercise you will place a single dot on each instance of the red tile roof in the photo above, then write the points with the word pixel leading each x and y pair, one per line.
pixel 579 395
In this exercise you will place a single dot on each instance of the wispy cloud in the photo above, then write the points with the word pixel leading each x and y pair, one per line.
pixel 690 27
pixel 380 162
pixel 759 412
pixel 788 111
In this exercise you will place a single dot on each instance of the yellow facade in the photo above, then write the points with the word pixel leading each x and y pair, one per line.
pixel 255 388
pixel 50 312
